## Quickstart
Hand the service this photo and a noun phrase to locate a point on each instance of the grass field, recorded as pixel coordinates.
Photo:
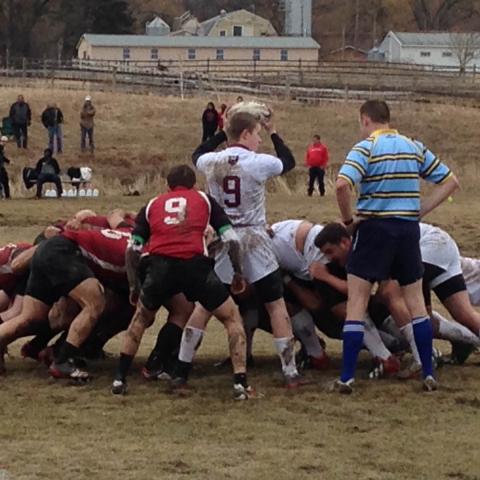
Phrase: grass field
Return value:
(386, 430)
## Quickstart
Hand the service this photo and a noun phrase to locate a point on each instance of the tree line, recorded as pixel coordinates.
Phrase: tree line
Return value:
(50, 28)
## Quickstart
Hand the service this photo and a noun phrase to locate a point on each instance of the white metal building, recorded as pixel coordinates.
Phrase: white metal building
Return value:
(439, 49)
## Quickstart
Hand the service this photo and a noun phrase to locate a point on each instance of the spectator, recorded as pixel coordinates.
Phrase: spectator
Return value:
(209, 122)
(3, 172)
(52, 119)
(21, 117)
(221, 116)
(239, 99)
(316, 161)
(86, 124)
(48, 171)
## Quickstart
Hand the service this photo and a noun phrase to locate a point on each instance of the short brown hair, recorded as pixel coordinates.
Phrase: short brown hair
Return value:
(376, 110)
(240, 122)
(181, 175)
(332, 233)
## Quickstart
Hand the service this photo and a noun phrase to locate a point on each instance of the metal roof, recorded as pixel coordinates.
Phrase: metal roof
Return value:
(133, 41)
(432, 39)
(158, 22)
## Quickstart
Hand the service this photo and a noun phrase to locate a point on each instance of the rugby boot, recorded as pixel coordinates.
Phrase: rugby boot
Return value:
(460, 352)
(68, 370)
(155, 374)
(430, 384)
(384, 367)
(119, 387)
(245, 393)
(28, 350)
(179, 385)
(295, 381)
(345, 388)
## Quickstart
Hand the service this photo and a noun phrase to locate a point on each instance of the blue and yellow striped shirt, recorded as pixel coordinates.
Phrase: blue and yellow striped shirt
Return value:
(388, 166)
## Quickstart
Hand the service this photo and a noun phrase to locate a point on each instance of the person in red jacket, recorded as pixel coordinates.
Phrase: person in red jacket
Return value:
(317, 161)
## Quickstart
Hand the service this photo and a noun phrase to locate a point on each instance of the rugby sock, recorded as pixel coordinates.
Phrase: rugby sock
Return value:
(455, 332)
(240, 378)
(407, 332)
(124, 365)
(286, 351)
(191, 339)
(373, 341)
(422, 330)
(352, 344)
(67, 350)
(304, 330)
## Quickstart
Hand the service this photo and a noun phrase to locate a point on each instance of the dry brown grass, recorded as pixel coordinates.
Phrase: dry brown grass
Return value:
(387, 430)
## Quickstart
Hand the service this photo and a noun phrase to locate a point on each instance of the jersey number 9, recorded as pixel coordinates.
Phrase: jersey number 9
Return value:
(177, 206)
(231, 188)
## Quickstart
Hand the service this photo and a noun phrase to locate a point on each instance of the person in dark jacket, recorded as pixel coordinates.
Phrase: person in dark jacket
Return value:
(21, 117)
(48, 171)
(52, 119)
(3, 172)
(209, 122)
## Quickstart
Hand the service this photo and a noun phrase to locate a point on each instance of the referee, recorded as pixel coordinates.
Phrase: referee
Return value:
(387, 167)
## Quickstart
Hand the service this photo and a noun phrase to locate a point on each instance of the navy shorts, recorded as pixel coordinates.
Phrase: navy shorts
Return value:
(386, 248)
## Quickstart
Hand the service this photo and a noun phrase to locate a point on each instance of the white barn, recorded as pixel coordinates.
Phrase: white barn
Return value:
(439, 49)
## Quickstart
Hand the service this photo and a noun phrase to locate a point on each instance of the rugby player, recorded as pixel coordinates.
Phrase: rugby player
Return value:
(236, 178)
(171, 233)
(388, 167)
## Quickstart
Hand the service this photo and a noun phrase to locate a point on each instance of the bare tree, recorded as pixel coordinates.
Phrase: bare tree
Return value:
(441, 14)
(466, 47)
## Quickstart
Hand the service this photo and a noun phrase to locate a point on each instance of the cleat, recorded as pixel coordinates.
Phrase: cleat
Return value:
(29, 351)
(180, 386)
(245, 393)
(460, 352)
(345, 388)
(68, 370)
(151, 375)
(119, 387)
(430, 384)
(296, 380)
(384, 368)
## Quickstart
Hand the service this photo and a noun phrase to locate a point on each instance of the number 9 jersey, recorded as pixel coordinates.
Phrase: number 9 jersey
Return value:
(174, 224)
(236, 179)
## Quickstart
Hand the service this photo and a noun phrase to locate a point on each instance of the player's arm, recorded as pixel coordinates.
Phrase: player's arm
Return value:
(352, 172)
(320, 272)
(284, 154)
(209, 145)
(21, 262)
(434, 171)
(139, 238)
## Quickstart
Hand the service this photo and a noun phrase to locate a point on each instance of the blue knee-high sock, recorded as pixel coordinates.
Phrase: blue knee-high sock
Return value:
(352, 344)
(422, 331)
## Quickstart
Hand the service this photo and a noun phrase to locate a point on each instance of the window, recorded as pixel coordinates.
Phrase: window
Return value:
(219, 53)
(126, 53)
(256, 54)
(237, 30)
(223, 33)
(424, 54)
(446, 54)
(154, 54)
(192, 54)
(283, 55)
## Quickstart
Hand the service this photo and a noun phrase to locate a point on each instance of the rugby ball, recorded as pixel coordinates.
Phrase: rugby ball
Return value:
(259, 110)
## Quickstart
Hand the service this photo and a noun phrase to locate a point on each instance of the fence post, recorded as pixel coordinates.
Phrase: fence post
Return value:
(254, 67)
(7, 61)
(182, 96)
(208, 65)
(114, 78)
(346, 93)
(24, 67)
(45, 61)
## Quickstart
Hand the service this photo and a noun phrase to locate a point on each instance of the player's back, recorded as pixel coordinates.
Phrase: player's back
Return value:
(178, 221)
(236, 179)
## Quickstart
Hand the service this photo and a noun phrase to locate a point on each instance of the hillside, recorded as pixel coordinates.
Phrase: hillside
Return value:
(48, 27)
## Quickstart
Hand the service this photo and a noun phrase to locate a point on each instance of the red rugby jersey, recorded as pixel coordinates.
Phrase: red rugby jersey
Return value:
(104, 250)
(177, 221)
(7, 277)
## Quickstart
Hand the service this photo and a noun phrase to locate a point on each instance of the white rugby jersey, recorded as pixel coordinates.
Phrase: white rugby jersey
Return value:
(236, 178)
(471, 273)
(289, 258)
